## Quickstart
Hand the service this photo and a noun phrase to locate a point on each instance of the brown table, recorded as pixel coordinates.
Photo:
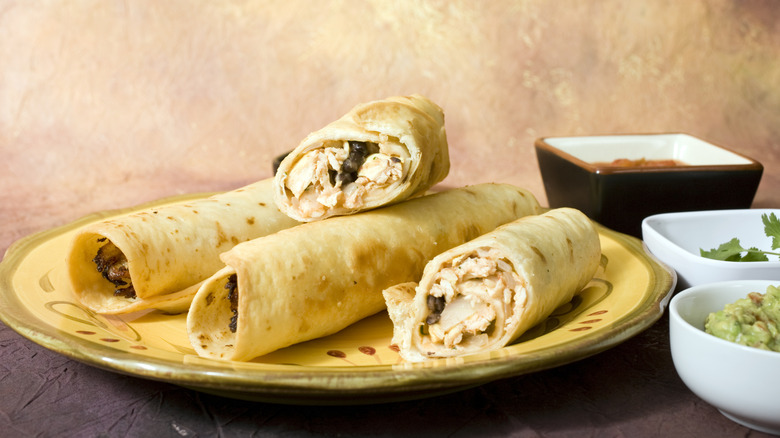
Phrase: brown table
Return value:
(106, 106)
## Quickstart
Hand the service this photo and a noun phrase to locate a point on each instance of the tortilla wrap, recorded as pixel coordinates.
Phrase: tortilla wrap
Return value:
(379, 153)
(486, 293)
(318, 278)
(168, 250)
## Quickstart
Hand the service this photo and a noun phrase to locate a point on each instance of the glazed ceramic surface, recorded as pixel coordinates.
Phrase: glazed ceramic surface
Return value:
(688, 150)
(708, 177)
(356, 365)
(740, 381)
(677, 238)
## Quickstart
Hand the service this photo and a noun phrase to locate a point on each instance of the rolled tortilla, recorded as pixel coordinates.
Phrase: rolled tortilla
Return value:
(320, 277)
(377, 154)
(486, 293)
(155, 258)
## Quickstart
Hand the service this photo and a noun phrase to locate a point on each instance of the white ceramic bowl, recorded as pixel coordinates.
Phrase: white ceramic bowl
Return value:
(676, 239)
(741, 382)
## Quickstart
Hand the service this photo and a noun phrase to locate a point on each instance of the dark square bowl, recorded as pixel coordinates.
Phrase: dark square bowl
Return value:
(581, 172)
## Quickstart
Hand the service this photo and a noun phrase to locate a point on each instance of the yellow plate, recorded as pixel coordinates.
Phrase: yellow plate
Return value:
(357, 365)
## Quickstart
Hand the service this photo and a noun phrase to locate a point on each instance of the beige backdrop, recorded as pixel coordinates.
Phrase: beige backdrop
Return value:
(106, 104)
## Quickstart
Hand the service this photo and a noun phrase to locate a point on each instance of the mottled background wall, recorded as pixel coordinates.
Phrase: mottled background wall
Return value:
(105, 104)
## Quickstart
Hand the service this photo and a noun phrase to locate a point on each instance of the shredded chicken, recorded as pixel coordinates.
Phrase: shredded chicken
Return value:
(464, 297)
(341, 176)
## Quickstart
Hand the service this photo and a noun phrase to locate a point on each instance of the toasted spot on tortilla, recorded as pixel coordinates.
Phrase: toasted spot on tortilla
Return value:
(539, 253)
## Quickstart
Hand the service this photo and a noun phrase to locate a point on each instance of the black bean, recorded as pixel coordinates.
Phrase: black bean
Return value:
(127, 292)
(111, 263)
(117, 273)
(436, 306)
(346, 178)
(107, 256)
(233, 326)
(358, 151)
(232, 286)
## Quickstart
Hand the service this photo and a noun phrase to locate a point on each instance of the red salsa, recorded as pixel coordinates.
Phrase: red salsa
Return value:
(642, 162)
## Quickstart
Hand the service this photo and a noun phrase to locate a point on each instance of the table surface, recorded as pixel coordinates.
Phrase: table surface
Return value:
(109, 105)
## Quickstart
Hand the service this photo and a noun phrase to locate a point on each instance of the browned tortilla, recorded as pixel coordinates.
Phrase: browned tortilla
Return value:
(407, 153)
(170, 249)
(320, 277)
(485, 293)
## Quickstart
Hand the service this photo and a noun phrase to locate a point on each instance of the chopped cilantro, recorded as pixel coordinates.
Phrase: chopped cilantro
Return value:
(732, 251)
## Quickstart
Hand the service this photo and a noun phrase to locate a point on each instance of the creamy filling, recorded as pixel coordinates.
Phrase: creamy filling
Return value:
(342, 175)
(112, 264)
(468, 299)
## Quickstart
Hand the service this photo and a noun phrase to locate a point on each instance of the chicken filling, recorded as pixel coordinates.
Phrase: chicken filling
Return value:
(232, 296)
(468, 299)
(112, 264)
(341, 175)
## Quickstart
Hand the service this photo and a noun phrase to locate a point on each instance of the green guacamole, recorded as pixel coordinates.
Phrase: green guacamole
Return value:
(752, 321)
